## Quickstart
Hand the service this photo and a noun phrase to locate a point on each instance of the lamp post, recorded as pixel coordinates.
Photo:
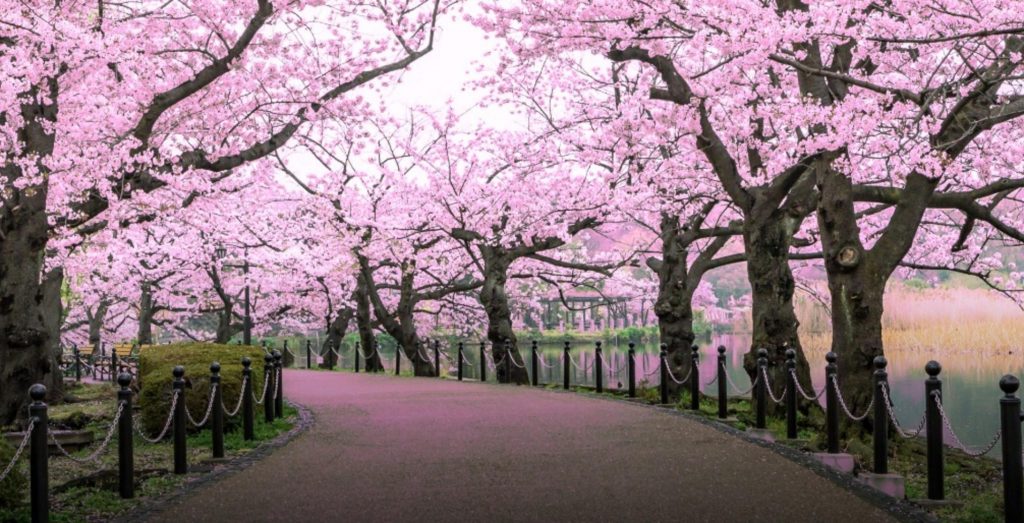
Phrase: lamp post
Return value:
(247, 321)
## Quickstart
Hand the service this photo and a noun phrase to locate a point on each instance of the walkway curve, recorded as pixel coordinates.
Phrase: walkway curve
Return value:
(417, 449)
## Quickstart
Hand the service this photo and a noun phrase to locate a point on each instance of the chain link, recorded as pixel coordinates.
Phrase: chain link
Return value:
(209, 409)
(736, 389)
(673, 376)
(768, 387)
(167, 424)
(896, 422)
(581, 369)
(91, 458)
(21, 448)
(266, 385)
(846, 409)
(800, 389)
(508, 354)
(956, 439)
(241, 396)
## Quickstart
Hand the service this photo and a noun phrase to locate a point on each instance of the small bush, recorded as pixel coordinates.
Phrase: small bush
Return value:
(157, 362)
(13, 487)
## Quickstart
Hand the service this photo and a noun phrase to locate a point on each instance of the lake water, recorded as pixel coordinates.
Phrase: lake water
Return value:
(970, 379)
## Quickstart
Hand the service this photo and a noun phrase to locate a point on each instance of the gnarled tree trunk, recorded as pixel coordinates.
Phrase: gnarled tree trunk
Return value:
(336, 330)
(674, 306)
(499, 319)
(364, 325)
(146, 313)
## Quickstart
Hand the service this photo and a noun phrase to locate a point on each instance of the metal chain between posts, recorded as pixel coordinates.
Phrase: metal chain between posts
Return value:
(464, 360)
(800, 389)
(17, 453)
(91, 458)
(768, 387)
(209, 409)
(508, 354)
(896, 422)
(167, 424)
(956, 439)
(574, 364)
(543, 363)
(266, 385)
(241, 396)
(846, 409)
(738, 390)
(673, 376)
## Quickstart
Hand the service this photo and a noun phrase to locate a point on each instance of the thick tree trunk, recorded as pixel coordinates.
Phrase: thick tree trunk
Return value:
(857, 277)
(224, 323)
(767, 238)
(96, 320)
(146, 312)
(53, 318)
(499, 320)
(674, 306)
(336, 331)
(365, 327)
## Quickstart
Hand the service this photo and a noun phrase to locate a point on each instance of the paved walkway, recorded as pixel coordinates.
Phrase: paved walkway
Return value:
(402, 449)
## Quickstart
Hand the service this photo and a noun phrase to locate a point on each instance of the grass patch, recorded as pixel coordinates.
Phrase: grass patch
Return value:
(98, 499)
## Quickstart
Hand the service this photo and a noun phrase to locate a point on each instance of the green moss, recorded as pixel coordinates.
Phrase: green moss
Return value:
(157, 362)
(15, 484)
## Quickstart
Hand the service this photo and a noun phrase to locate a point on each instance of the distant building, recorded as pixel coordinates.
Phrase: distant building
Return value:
(588, 311)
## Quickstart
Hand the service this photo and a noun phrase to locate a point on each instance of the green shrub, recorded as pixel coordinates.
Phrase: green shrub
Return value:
(14, 486)
(157, 362)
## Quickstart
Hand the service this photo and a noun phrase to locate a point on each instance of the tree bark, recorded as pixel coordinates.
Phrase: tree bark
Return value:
(27, 333)
(857, 277)
(364, 324)
(674, 305)
(401, 324)
(768, 232)
(499, 317)
(146, 313)
(336, 331)
(96, 320)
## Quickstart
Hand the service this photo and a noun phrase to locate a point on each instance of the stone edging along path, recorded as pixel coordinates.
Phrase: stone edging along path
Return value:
(166, 502)
(899, 508)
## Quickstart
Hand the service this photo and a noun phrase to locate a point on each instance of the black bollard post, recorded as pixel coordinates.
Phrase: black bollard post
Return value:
(437, 358)
(125, 450)
(357, 352)
(279, 383)
(565, 367)
(39, 455)
(309, 355)
(218, 411)
(508, 361)
(460, 361)
(723, 390)
(933, 431)
(78, 363)
(1013, 475)
(269, 387)
(483, 361)
(632, 369)
(598, 368)
(880, 421)
(694, 378)
(790, 393)
(398, 360)
(180, 458)
(831, 404)
(533, 363)
(248, 408)
(663, 367)
(761, 391)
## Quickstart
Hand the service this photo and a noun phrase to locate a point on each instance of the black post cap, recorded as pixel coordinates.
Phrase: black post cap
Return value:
(215, 367)
(124, 380)
(37, 392)
(721, 349)
(831, 357)
(880, 362)
(246, 362)
(762, 352)
(1008, 383)
(933, 368)
(178, 372)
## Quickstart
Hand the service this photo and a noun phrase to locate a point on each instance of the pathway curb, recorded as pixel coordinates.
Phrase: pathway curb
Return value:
(166, 502)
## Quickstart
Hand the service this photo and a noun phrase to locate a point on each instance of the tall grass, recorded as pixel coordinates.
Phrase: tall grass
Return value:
(946, 320)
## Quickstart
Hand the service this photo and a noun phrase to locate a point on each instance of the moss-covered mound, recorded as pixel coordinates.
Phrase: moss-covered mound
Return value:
(157, 362)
